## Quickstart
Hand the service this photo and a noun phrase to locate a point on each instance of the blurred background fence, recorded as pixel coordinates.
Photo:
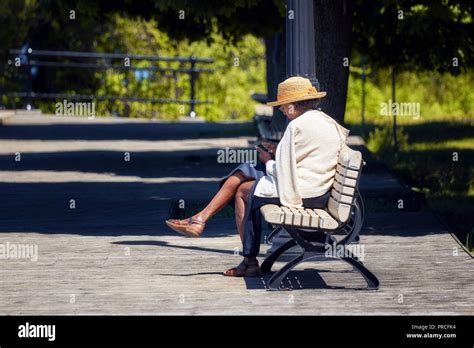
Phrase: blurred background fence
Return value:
(37, 70)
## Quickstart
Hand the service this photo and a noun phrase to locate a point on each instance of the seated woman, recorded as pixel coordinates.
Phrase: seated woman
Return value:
(301, 175)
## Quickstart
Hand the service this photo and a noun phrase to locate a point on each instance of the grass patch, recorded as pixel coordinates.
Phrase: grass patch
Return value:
(456, 212)
(434, 158)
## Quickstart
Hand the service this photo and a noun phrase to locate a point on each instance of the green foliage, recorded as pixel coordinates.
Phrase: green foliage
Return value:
(440, 96)
(415, 35)
(13, 12)
(470, 241)
(456, 212)
(438, 162)
(430, 143)
(442, 32)
(233, 20)
(381, 140)
(434, 171)
(136, 36)
(239, 72)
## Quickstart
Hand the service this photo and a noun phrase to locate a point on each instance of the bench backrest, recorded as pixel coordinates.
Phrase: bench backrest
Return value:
(345, 184)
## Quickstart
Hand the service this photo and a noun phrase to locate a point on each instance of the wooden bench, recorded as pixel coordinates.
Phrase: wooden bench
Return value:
(314, 230)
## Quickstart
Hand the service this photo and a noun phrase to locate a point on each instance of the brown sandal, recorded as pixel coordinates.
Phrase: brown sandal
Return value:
(244, 269)
(189, 229)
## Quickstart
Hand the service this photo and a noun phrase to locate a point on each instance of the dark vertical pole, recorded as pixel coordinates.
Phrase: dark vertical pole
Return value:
(192, 76)
(395, 138)
(29, 100)
(276, 72)
(175, 85)
(300, 50)
(300, 61)
(363, 95)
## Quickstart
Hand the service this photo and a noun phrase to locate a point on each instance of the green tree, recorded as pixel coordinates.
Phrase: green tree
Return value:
(431, 35)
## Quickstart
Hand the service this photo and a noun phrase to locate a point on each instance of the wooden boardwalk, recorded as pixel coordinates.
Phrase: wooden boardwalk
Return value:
(174, 275)
(113, 254)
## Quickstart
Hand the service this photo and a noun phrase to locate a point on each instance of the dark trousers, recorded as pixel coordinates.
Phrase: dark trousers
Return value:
(253, 219)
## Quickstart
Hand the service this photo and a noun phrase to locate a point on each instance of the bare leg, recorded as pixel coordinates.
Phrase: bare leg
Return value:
(241, 199)
(224, 195)
(221, 198)
(249, 266)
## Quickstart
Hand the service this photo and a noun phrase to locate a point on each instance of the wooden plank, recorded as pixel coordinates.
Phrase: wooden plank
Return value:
(101, 260)
(346, 190)
(337, 196)
(314, 218)
(338, 210)
(344, 180)
(353, 174)
(166, 275)
(350, 158)
(305, 217)
(272, 213)
(326, 221)
(288, 215)
(297, 218)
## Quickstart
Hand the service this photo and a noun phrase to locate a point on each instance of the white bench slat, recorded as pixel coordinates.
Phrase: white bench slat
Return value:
(288, 215)
(339, 204)
(314, 218)
(340, 198)
(326, 221)
(345, 190)
(305, 217)
(345, 181)
(292, 216)
(350, 158)
(272, 214)
(297, 218)
(340, 211)
(346, 172)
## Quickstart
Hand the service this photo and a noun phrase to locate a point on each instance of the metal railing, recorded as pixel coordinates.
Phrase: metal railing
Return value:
(28, 58)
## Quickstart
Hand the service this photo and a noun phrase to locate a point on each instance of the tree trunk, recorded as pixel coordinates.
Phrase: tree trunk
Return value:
(276, 73)
(333, 29)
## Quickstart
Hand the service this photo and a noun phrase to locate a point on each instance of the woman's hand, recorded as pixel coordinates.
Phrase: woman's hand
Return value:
(263, 155)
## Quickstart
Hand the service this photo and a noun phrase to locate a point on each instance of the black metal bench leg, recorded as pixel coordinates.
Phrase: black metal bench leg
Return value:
(266, 266)
(274, 233)
(372, 281)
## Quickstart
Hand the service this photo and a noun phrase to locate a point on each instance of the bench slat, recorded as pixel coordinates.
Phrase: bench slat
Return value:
(340, 198)
(345, 181)
(345, 190)
(272, 214)
(339, 203)
(314, 222)
(305, 217)
(350, 158)
(326, 221)
(297, 218)
(346, 172)
(288, 215)
(339, 211)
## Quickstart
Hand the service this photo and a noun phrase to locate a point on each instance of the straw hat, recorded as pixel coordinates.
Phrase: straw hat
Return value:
(295, 89)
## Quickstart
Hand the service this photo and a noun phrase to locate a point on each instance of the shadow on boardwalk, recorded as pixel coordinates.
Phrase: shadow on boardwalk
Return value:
(106, 129)
(115, 254)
